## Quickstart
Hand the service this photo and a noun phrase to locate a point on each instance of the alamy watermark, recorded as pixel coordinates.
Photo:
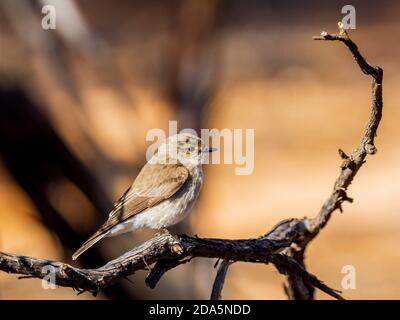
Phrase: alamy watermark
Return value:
(49, 280)
(349, 20)
(49, 19)
(237, 145)
(349, 278)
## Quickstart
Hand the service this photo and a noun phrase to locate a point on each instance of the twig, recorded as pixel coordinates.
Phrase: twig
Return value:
(220, 279)
(160, 268)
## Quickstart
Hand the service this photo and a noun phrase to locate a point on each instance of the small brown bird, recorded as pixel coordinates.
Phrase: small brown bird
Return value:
(162, 194)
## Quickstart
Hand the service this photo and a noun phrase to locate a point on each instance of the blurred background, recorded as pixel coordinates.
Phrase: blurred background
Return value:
(76, 104)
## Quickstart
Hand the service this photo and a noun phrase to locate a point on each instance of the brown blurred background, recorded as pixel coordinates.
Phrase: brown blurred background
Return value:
(76, 104)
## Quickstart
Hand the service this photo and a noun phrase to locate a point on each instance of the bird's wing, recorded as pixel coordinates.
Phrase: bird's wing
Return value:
(155, 183)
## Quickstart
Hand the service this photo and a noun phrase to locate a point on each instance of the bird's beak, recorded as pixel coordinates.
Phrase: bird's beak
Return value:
(211, 149)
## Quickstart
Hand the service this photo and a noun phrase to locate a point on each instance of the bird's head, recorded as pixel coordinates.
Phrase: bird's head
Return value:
(186, 148)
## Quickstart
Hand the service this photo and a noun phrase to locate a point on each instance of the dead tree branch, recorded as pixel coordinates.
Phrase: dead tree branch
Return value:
(220, 279)
(296, 288)
(283, 246)
(160, 250)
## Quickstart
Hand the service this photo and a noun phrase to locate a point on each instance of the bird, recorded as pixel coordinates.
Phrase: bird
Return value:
(163, 192)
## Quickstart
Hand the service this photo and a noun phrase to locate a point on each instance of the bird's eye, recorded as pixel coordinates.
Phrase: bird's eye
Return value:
(190, 149)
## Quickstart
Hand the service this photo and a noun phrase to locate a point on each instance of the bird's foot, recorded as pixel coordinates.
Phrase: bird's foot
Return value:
(176, 247)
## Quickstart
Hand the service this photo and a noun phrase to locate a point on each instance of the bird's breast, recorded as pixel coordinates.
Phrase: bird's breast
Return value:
(183, 200)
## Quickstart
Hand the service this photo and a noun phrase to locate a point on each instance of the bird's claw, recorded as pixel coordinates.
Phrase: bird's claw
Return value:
(176, 248)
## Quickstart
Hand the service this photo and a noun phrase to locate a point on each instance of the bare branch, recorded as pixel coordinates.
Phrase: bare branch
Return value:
(350, 166)
(220, 279)
(159, 250)
(356, 159)
(160, 268)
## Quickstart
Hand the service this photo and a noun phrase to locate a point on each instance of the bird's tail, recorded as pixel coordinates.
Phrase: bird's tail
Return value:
(88, 243)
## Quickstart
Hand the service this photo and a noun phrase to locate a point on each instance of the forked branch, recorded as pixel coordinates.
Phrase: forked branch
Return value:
(162, 251)
(296, 288)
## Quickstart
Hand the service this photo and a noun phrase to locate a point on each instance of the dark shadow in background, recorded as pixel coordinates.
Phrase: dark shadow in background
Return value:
(37, 157)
